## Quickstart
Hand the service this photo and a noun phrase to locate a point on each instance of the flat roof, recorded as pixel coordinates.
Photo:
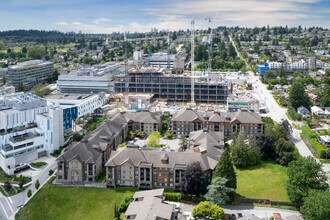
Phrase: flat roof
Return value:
(68, 96)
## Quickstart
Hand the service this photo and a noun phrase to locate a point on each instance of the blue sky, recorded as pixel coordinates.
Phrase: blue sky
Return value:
(106, 16)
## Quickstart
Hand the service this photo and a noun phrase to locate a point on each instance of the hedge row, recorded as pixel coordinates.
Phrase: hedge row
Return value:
(310, 136)
(172, 197)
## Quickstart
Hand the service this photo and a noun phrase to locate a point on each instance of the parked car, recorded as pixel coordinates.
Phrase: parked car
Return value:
(239, 215)
(233, 217)
(21, 166)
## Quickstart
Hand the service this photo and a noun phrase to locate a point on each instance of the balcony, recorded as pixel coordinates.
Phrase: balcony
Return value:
(16, 129)
(24, 137)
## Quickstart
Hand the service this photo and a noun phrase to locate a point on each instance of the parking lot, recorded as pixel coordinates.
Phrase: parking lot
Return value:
(170, 145)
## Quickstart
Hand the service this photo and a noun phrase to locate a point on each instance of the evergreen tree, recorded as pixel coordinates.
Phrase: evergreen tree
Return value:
(225, 169)
(218, 192)
(325, 98)
(298, 96)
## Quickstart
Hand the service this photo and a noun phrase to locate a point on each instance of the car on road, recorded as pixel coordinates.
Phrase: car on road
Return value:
(239, 215)
(233, 217)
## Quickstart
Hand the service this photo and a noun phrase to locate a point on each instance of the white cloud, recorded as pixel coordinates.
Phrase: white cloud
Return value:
(101, 20)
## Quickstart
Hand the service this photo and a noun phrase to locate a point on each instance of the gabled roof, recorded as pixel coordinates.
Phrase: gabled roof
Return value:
(149, 205)
(82, 152)
(245, 117)
(187, 115)
(209, 142)
(138, 156)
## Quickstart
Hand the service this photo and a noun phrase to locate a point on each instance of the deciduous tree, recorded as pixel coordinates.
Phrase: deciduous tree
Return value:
(304, 174)
(207, 210)
(153, 139)
(316, 205)
(194, 181)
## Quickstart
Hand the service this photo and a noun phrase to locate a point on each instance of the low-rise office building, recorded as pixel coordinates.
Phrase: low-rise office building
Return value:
(172, 87)
(29, 129)
(88, 80)
(27, 74)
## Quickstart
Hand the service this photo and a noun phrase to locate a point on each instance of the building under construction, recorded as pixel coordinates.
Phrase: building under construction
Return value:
(171, 87)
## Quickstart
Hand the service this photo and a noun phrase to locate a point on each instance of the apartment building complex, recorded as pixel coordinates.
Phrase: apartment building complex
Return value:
(88, 80)
(29, 73)
(188, 120)
(173, 88)
(83, 161)
(145, 168)
(29, 129)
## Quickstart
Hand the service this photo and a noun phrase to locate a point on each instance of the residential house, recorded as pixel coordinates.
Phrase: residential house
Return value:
(318, 112)
(81, 163)
(151, 168)
(188, 120)
(304, 112)
(325, 140)
(149, 205)
(327, 111)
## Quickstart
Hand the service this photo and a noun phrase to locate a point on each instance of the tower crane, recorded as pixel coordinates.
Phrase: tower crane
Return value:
(126, 70)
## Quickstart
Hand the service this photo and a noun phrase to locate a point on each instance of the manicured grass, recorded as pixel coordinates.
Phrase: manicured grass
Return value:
(74, 203)
(266, 181)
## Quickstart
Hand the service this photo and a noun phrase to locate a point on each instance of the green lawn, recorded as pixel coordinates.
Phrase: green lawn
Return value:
(266, 181)
(74, 203)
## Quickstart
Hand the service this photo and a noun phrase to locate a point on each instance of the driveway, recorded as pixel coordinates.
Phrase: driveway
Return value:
(262, 212)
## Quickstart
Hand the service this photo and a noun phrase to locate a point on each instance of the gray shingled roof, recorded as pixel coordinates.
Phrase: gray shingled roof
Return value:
(212, 142)
(151, 207)
(245, 117)
(138, 156)
(83, 152)
(189, 115)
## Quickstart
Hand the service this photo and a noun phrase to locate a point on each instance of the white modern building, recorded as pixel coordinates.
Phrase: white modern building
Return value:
(289, 67)
(164, 60)
(88, 80)
(29, 129)
(76, 105)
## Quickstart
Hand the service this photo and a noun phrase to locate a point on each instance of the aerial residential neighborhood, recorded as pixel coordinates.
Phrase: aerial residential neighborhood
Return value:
(165, 110)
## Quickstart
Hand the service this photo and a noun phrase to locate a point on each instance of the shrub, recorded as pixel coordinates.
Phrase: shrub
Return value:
(124, 204)
(37, 184)
(50, 172)
(310, 136)
(29, 193)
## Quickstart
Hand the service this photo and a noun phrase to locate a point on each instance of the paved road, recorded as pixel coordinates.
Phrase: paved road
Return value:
(262, 212)
(277, 113)
(9, 205)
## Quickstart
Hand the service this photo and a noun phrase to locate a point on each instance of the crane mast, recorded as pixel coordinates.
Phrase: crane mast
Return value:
(192, 63)
(126, 70)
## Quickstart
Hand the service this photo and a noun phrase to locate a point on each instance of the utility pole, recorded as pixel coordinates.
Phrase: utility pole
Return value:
(192, 63)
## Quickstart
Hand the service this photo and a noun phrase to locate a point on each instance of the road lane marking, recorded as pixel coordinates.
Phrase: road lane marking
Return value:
(9, 205)
(4, 210)
(10, 200)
